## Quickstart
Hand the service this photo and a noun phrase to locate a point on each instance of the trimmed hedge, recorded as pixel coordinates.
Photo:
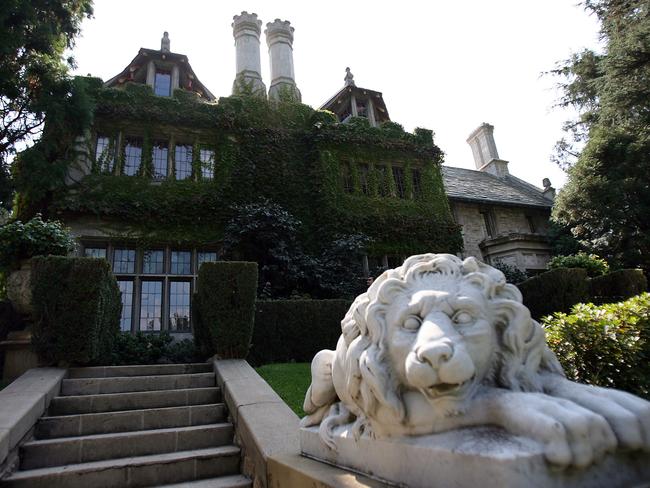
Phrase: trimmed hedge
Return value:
(77, 308)
(295, 330)
(618, 285)
(556, 290)
(605, 345)
(225, 302)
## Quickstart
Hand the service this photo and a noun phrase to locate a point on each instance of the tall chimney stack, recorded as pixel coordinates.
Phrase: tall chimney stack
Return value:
(279, 38)
(485, 153)
(246, 29)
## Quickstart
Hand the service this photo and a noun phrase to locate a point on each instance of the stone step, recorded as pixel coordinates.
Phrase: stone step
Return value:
(133, 472)
(128, 421)
(237, 481)
(75, 450)
(139, 370)
(112, 402)
(123, 384)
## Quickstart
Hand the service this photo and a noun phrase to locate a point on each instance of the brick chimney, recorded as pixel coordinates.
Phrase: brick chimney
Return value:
(485, 153)
(246, 29)
(279, 38)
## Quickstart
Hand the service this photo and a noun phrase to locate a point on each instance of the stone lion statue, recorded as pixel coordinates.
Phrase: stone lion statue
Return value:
(441, 343)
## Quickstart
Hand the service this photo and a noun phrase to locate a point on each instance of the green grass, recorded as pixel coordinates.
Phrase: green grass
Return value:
(290, 381)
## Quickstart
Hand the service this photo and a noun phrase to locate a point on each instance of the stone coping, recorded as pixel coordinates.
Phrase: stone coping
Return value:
(23, 402)
(264, 424)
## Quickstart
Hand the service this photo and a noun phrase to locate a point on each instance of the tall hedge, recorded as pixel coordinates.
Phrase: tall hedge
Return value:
(606, 345)
(77, 306)
(556, 290)
(618, 285)
(295, 330)
(225, 302)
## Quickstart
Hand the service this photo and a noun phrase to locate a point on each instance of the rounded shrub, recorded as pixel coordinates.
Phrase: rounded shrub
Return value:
(606, 345)
(36, 237)
(592, 263)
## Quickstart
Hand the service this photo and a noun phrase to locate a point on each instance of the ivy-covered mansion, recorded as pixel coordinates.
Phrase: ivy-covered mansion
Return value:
(148, 167)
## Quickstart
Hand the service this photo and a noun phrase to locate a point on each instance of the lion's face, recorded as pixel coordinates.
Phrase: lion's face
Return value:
(440, 338)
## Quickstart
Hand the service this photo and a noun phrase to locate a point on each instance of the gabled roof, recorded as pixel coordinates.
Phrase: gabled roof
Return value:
(481, 187)
(348, 90)
(136, 71)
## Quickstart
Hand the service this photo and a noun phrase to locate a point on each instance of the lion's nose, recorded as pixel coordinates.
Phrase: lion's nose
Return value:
(435, 353)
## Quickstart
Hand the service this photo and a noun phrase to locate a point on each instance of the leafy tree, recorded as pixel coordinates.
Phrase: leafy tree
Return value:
(34, 35)
(606, 201)
(268, 234)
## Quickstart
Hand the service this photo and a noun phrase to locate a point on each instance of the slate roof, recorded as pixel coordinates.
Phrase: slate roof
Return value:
(481, 187)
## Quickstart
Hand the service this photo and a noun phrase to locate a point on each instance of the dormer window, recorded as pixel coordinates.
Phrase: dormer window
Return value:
(162, 84)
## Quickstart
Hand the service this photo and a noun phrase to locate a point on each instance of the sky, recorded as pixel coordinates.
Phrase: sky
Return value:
(445, 65)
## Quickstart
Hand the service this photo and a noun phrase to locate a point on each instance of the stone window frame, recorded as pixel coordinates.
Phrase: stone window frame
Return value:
(162, 72)
(138, 276)
(489, 222)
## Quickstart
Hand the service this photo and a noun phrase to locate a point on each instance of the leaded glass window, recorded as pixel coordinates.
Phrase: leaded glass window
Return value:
(150, 305)
(95, 252)
(162, 85)
(126, 289)
(207, 163)
(363, 178)
(181, 263)
(159, 153)
(153, 262)
(417, 182)
(183, 159)
(124, 261)
(132, 156)
(382, 173)
(398, 177)
(104, 156)
(205, 257)
(179, 306)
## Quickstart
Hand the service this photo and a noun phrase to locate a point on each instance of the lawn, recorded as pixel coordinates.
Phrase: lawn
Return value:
(290, 381)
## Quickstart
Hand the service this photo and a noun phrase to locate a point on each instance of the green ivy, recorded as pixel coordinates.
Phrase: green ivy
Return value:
(284, 152)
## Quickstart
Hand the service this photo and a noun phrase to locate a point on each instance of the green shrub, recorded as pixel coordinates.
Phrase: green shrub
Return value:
(606, 345)
(513, 274)
(20, 241)
(556, 290)
(77, 308)
(295, 330)
(226, 308)
(618, 285)
(594, 265)
(141, 348)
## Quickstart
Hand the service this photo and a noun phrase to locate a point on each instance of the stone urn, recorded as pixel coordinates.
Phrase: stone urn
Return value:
(19, 288)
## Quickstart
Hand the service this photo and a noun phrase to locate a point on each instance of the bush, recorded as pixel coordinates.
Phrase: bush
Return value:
(77, 308)
(143, 348)
(226, 308)
(605, 345)
(20, 241)
(618, 285)
(556, 290)
(594, 265)
(295, 330)
(512, 273)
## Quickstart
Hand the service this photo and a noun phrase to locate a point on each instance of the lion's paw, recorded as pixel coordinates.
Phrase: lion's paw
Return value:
(571, 434)
(627, 415)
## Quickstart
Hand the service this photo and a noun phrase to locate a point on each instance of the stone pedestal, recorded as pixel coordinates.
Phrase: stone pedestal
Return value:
(469, 457)
(19, 355)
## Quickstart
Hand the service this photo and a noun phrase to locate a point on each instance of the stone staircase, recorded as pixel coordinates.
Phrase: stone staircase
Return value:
(133, 426)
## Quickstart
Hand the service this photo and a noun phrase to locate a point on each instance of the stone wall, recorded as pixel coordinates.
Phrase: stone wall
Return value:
(507, 221)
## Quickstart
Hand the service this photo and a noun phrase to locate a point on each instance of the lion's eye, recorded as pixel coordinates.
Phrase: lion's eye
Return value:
(462, 318)
(412, 323)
